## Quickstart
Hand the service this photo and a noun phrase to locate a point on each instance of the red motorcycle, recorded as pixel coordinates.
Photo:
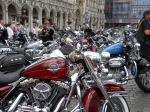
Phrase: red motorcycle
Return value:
(48, 86)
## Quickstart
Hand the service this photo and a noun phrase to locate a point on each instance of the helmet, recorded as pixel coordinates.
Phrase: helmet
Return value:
(68, 40)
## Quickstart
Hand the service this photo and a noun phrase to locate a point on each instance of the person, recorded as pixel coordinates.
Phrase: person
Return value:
(55, 26)
(47, 32)
(143, 35)
(62, 32)
(10, 31)
(3, 33)
(37, 22)
(13, 27)
(39, 29)
(21, 28)
(34, 32)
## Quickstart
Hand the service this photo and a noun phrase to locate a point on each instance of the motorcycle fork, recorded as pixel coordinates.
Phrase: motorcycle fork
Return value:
(99, 83)
(107, 98)
(74, 85)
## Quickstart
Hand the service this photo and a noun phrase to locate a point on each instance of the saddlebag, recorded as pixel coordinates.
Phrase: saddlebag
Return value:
(11, 62)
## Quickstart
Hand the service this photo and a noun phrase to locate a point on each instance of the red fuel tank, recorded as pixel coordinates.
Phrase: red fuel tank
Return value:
(50, 68)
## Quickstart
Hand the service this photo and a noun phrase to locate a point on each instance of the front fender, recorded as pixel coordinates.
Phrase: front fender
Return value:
(92, 97)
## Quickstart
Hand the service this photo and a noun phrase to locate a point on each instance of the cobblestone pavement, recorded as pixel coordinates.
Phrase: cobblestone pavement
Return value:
(138, 101)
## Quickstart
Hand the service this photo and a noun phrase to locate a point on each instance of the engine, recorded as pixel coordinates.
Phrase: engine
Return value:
(116, 62)
(47, 96)
(114, 69)
(42, 91)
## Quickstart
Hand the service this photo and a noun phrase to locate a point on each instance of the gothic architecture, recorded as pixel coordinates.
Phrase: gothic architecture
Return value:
(63, 12)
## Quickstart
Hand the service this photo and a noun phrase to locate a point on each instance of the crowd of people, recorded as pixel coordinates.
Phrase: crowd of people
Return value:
(11, 30)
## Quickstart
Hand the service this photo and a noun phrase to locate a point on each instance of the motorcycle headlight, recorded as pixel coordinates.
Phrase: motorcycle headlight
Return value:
(105, 57)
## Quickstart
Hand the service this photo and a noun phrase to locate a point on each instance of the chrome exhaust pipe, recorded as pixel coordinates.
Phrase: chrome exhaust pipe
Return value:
(126, 78)
(16, 102)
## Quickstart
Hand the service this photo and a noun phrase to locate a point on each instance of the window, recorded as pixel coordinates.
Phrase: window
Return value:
(125, 7)
(139, 12)
(119, 16)
(114, 16)
(120, 7)
(115, 8)
(134, 11)
(125, 16)
(134, 1)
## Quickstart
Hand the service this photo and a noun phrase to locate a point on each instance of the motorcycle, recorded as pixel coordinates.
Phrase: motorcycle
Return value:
(125, 56)
(48, 85)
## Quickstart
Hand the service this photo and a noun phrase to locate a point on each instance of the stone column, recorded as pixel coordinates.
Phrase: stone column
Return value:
(6, 15)
(61, 21)
(40, 17)
(98, 23)
(31, 21)
(55, 17)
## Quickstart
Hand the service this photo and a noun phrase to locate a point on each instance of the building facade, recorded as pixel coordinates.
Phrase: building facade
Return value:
(137, 9)
(96, 13)
(63, 12)
(122, 12)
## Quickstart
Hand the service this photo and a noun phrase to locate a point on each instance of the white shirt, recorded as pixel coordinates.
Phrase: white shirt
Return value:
(34, 31)
(10, 32)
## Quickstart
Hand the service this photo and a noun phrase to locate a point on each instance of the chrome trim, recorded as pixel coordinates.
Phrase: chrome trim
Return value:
(105, 103)
(14, 86)
(79, 96)
(74, 78)
(135, 68)
(76, 107)
(53, 69)
(98, 82)
(126, 78)
(16, 102)
(59, 105)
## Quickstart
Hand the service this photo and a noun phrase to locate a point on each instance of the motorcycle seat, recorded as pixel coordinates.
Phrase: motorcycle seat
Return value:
(7, 78)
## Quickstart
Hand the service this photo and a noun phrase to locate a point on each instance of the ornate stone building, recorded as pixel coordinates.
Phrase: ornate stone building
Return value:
(60, 11)
(96, 13)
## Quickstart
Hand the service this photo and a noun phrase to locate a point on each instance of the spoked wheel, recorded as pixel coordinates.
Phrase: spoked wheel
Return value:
(143, 81)
(119, 103)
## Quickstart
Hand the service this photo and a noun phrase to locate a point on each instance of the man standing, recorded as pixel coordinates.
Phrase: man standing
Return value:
(55, 27)
(13, 27)
(3, 32)
(10, 31)
(143, 35)
(47, 32)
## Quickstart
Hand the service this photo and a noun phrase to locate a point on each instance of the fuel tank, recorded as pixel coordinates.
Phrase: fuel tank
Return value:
(114, 49)
(35, 45)
(50, 68)
(4, 90)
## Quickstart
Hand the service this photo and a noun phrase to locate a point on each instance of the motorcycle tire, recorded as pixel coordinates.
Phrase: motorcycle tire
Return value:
(120, 103)
(143, 82)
